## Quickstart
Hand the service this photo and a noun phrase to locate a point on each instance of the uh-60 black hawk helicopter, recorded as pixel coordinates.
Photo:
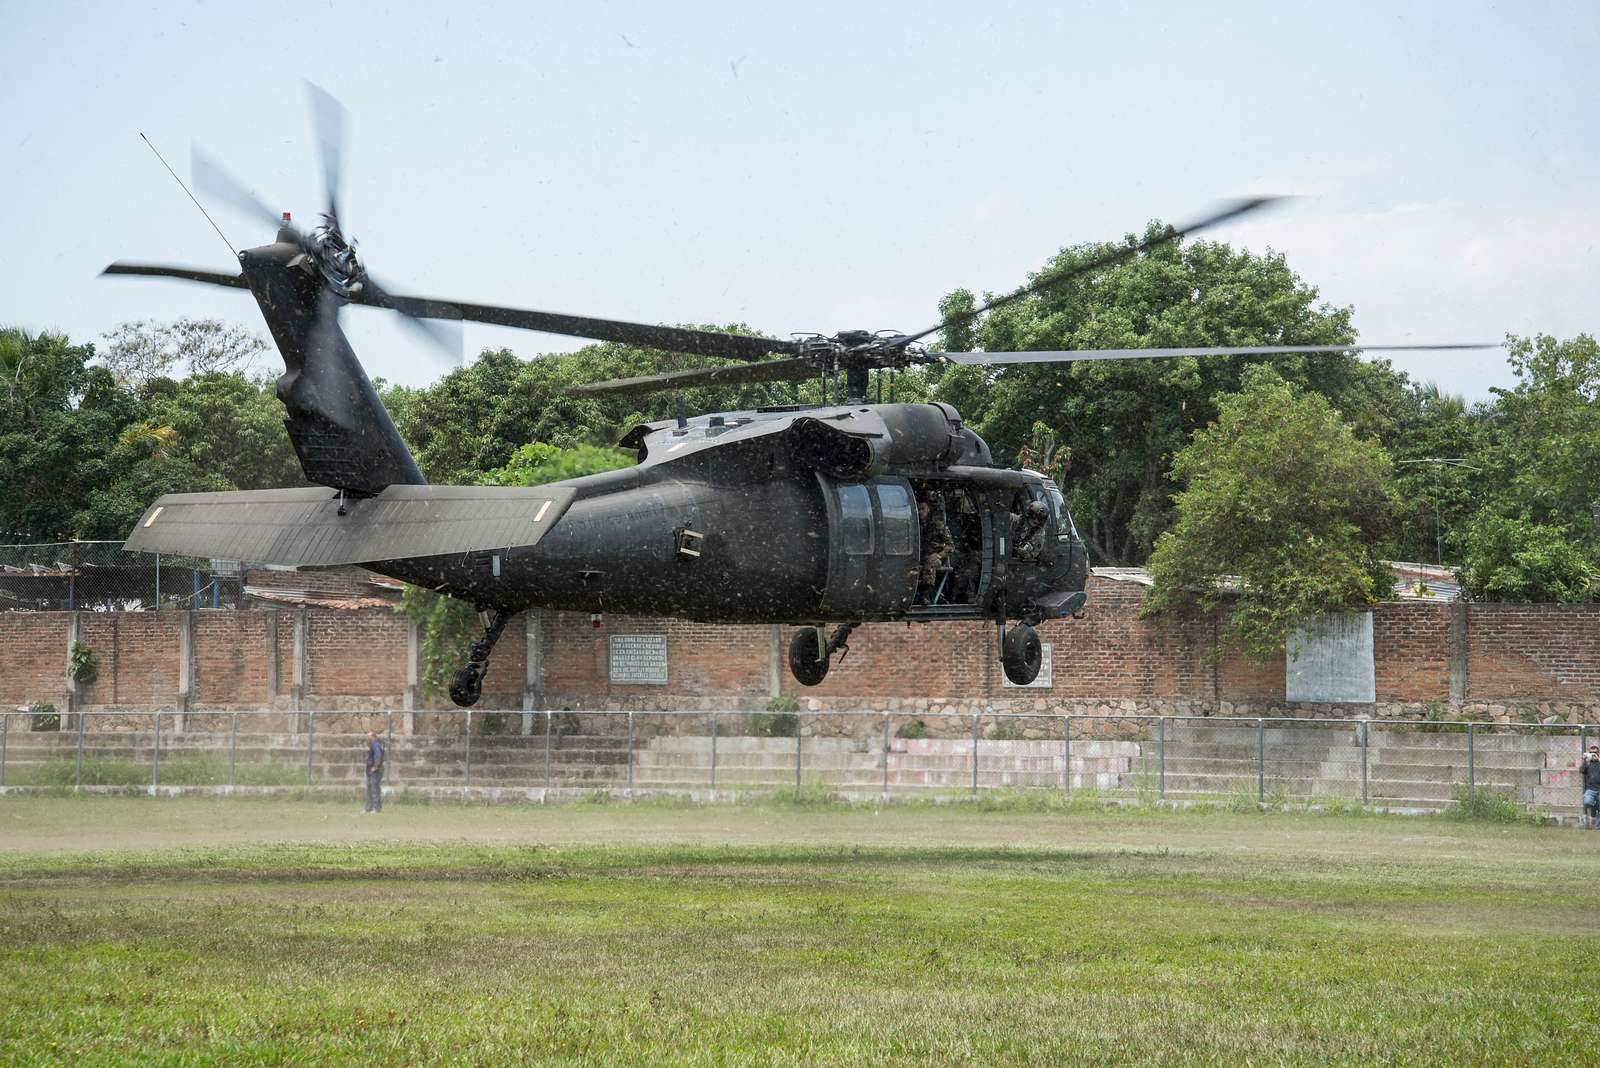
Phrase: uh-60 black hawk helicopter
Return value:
(799, 515)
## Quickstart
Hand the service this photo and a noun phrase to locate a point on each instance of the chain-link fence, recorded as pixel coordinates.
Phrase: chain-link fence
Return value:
(98, 576)
(1396, 766)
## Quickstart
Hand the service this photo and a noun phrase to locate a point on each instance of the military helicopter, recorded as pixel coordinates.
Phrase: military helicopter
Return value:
(808, 515)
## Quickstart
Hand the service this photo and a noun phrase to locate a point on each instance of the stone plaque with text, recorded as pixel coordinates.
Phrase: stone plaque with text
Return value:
(639, 659)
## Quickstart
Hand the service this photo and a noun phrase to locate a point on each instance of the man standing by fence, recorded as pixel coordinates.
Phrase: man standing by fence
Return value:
(374, 773)
(1591, 786)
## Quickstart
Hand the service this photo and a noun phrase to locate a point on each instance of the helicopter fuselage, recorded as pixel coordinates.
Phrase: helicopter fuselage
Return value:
(787, 516)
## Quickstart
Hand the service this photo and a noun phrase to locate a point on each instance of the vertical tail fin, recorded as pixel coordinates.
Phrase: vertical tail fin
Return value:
(338, 426)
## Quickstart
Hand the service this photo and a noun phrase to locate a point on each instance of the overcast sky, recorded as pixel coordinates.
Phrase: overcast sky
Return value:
(811, 167)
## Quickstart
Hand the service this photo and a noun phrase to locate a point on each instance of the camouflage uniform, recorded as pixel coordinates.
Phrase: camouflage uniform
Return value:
(1027, 535)
(937, 545)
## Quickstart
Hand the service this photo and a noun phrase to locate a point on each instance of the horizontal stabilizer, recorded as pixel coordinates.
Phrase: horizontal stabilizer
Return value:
(304, 527)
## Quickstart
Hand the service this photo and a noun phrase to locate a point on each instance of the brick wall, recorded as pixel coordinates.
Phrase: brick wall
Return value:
(1534, 651)
(1542, 656)
(33, 658)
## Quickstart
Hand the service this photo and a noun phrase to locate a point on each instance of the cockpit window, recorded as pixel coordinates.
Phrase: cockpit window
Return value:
(898, 518)
(855, 514)
(1058, 505)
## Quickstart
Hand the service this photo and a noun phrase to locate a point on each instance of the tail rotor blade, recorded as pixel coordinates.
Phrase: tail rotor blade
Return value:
(444, 335)
(329, 116)
(212, 181)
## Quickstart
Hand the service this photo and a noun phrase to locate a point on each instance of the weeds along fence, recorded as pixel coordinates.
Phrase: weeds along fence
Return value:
(99, 576)
(515, 756)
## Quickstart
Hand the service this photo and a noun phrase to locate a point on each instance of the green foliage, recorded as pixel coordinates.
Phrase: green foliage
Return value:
(1487, 806)
(82, 454)
(912, 729)
(806, 795)
(780, 720)
(1005, 731)
(1545, 449)
(140, 351)
(44, 716)
(536, 463)
(476, 418)
(81, 665)
(1124, 420)
(1518, 560)
(445, 627)
(1279, 518)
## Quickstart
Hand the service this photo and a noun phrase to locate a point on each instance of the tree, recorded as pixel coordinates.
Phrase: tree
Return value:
(1282, 509)
(139, 351)
(1544, 449)
(1124, 419)
(1518, 560)
(1440, 472)
(228, 425)
(475, 418)
(77, 458)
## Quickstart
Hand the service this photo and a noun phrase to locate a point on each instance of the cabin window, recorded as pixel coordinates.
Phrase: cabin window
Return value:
(898, 519)
(855, 516)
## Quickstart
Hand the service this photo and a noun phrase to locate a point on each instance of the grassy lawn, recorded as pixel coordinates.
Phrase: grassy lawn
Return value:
(235, 931)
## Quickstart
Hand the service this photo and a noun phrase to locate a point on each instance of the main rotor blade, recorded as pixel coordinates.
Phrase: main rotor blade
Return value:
(444, 335)
(329, 116)
(790, 370)
(1233, 210)
(214, 182)
(672, 338)
(191, 274)
(1067, 355)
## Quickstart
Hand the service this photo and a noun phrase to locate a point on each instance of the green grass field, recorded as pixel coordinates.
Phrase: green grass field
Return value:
(178, 931)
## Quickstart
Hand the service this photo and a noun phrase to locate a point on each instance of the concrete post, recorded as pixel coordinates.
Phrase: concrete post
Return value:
(272, 656)
(185, 665)
(413, 665)
(532, 667)
(1458, 652)
(71, 683)
(297, 678)
(775, 660)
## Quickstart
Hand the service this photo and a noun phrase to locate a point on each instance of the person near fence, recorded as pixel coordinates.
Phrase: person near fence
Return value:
(374, 773)
(1591, 786)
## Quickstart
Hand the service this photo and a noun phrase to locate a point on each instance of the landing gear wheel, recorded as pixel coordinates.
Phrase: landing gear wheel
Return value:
(466, 685)
(466, 682)
(806, 661)
(1021, 655)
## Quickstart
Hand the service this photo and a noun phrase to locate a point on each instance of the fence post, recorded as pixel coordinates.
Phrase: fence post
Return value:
(713, 755)
(549, 718)
(467, 781)
(886, 744)
(77, 774)
(630, 754)
(233, 750)
(388, 745)
(155, 758)
(975, 755)
(1161, 759)
(1472, 777)
(5, 731)
(1261, 761)
(797, 752)
(311, 742)
(1066, 755)
(158, 580)
(1366, 744)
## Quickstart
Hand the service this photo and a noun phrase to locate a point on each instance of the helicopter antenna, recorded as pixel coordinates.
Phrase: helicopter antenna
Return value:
(232, 251)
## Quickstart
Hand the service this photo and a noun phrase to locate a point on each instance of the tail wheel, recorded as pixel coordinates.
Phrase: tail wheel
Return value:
(1022, 654)
(808, 659)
